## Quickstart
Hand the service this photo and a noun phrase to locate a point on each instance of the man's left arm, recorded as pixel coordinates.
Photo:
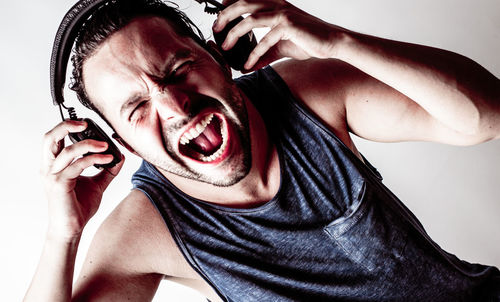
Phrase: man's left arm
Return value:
(391, 91)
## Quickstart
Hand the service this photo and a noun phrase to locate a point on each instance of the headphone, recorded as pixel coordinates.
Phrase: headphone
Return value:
(65, 38)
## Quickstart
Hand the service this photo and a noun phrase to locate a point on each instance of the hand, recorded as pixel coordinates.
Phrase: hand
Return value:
(294, 33)
(73, 198)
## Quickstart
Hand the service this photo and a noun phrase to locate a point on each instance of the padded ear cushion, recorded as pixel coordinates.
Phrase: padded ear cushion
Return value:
(238, 55)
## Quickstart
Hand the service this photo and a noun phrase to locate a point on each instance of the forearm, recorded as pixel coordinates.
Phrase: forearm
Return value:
(455, 90)
(458, 93)
(54, 275)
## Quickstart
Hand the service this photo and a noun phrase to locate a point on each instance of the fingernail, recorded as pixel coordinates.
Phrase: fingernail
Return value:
(215, 26)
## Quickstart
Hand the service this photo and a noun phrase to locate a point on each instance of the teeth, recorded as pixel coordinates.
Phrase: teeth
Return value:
(217, 153)
(196, 130)
(193, 132)
(199, 128)
(184, 141)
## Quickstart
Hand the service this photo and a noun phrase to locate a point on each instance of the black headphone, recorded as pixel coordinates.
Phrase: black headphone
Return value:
(63, 44)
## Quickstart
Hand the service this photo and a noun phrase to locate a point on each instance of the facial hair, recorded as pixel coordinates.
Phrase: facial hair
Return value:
(234, 110)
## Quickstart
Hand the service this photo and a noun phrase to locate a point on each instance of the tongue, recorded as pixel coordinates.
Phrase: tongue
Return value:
(209, 140)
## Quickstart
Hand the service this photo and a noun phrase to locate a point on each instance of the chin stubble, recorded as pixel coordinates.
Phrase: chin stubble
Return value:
(237, 117)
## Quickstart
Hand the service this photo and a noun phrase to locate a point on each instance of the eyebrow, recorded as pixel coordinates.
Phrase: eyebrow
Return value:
(131, 101)
(136, 97)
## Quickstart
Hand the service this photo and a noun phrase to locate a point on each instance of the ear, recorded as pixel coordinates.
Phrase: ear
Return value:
(216, 53)
(122, 142)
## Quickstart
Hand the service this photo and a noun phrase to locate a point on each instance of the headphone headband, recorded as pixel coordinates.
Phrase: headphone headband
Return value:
(63, 43)
(80, 12)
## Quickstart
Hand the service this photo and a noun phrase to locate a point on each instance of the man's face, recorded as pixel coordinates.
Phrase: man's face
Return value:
(173, 104)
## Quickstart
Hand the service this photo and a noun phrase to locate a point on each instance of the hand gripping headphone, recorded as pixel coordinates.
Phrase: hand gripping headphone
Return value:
(63, 44)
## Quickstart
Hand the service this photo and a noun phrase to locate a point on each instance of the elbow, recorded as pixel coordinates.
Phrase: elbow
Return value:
(480, 121)
(485, 127)
(489, 117)
(479, 105)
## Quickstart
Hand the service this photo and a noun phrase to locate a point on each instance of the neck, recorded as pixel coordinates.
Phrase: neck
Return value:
(257, 187)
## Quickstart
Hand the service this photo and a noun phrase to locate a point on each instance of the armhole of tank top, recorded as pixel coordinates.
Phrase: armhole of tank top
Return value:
(281, 88)
(179, 242)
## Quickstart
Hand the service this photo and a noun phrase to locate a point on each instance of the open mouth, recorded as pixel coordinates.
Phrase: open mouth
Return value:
(206, 141)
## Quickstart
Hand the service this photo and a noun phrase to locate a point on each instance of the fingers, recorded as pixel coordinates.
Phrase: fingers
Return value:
(277, 15)
(107, 175)
(70, 153)
(228, 2)
(246, 25)
(270, 56)
(238, 9)
(76, 168)
(53, 141)
(66, 161)
(293, 33)
(272, 38)
(282, 49)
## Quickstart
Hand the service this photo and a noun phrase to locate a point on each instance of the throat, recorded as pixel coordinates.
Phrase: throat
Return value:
(259, 187)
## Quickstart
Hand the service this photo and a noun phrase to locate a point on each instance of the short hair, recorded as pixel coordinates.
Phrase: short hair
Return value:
(113, 16)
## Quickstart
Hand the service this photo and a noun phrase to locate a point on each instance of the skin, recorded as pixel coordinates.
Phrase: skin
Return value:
(196, 82)
(377, 89)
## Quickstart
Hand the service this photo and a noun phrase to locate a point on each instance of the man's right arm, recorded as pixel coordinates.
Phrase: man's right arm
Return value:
(72, 200)
(126, 255)
(122, 261)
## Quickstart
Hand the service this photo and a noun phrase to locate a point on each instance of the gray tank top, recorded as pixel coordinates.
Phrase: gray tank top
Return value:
(333, 232)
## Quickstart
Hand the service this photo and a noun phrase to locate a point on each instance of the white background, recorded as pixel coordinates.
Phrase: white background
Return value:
(453, 190)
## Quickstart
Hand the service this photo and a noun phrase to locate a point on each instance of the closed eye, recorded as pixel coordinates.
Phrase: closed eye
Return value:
(180, 71)
(137, 109)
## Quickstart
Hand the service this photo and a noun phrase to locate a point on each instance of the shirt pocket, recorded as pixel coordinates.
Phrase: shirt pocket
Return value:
(370, 233)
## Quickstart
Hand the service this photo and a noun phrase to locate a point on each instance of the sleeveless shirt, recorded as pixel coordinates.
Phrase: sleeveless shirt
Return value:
(333, 231)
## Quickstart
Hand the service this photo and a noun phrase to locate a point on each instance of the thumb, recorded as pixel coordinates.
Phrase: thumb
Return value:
(105, 177)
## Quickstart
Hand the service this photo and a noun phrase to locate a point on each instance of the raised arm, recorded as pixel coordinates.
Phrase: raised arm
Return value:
(73, 199)
(435, 94)
(126, 255)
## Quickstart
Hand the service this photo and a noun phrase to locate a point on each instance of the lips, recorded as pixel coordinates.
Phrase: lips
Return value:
(206, 141)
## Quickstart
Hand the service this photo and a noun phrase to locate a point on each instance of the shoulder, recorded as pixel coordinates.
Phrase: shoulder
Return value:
(130, 254)
(134, 238)
(318, 77)
(323, 86)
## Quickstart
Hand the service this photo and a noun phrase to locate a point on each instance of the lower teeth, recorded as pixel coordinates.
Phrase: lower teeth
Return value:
(219, 151)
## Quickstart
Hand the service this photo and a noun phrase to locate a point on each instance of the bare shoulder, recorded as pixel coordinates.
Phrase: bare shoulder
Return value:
(139, 239)
(130, 254)
(324, 87)
(321, 85)
(323, 78)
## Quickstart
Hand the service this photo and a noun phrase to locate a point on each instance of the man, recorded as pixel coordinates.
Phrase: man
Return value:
(264, 194)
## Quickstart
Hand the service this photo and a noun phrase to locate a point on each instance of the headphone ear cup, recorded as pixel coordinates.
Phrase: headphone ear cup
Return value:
(238, 55)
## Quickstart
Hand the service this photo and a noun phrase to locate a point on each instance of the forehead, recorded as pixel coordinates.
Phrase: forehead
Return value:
(140, 49)
(144, 42)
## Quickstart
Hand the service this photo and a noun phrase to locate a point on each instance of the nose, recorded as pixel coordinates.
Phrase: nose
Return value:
(171, 102)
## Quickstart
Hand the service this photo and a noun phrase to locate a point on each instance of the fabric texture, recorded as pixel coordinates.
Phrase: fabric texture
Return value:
(333, 232)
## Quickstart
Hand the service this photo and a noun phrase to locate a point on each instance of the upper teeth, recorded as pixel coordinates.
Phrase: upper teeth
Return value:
(196, 130)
